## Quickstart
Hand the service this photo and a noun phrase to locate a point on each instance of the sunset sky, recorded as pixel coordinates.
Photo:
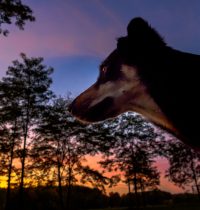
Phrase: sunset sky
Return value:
(74, 36)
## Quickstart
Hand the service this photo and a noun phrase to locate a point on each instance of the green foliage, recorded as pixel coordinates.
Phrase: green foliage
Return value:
(14, 11)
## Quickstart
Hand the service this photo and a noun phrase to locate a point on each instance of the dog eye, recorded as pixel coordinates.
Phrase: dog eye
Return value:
(104, 69)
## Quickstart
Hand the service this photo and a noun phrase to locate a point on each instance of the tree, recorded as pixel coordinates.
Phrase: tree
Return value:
(10, 131)
(132, 153)
(26, 89)
(9, 142)
(14, 11)
(97, 179)
(184, 165)
(140, 171)
(59, 149)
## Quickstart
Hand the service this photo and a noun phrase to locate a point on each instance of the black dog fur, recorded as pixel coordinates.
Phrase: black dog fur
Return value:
(171, 76)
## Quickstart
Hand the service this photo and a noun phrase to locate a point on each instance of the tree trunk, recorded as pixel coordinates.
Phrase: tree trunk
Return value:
(8, 181)
(60, 191)
(21, 187)
(142, 193)
(135, 190)
(129, 186)
(26, 125)
(129, 193)
(7, 202)
(195, 176)
(69, 186)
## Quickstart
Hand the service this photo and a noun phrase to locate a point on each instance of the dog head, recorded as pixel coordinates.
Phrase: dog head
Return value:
(119, 87)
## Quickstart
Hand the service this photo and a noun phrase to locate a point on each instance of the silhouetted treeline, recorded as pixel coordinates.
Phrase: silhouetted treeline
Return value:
(46, 198)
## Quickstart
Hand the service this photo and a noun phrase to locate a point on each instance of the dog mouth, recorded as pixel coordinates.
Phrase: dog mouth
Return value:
(100, 111)
(96, 113)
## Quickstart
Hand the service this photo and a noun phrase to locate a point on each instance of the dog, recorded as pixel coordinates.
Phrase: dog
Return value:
(145, 75)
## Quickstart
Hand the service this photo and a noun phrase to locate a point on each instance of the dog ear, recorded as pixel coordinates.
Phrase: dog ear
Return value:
(137, 27)
(141, 34)
(132, 45)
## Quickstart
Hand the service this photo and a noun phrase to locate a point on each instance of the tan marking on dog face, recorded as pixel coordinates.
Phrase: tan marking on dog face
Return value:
(117, 88)
(142, 102)
(130, 94)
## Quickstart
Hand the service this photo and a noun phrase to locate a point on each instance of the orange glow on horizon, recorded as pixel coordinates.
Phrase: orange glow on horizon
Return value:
(122, 188)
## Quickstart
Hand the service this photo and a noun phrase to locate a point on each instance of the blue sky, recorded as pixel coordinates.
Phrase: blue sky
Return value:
(74, 36)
